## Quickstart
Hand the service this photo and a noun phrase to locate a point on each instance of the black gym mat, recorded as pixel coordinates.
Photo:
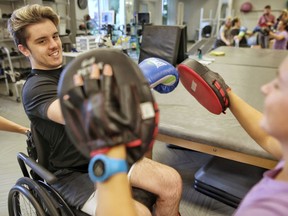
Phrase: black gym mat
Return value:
(227, 181)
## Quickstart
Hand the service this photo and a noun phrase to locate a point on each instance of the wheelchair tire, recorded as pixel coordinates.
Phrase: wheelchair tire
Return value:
(64, 208)
(21, 202)
(44, 199)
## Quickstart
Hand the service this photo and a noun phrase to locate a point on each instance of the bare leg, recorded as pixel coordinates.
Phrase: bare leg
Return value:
(141, 210)
(161, 180)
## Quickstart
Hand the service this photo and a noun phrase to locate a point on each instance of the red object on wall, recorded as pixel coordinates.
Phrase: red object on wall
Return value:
(246, 7)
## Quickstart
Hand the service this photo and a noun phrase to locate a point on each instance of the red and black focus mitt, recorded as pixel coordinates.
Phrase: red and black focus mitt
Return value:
(111, 110)
(208, 87)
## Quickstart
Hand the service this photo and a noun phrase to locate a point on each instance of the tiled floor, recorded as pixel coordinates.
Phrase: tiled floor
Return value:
(185, 162)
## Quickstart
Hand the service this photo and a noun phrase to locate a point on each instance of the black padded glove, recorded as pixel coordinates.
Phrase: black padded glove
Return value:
(109, 111)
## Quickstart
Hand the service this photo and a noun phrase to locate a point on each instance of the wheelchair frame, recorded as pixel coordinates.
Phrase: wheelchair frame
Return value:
(35, 186)
(37, 191)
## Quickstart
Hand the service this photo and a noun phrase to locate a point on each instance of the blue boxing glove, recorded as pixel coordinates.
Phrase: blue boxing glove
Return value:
(161, 75)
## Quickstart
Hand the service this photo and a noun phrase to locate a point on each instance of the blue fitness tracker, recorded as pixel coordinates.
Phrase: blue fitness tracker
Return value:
(102, 167)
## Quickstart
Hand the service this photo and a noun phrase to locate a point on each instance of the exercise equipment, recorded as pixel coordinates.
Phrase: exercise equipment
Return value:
(208, 87)
(161, 75)
(226, 180)
(246, 7)
(110, 111)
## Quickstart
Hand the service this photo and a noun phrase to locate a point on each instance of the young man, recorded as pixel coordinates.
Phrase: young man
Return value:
(266, 21)
(9, 126)
(34, 30)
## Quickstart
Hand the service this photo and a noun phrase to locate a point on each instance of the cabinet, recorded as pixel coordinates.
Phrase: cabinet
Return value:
(8, 71)
(6, 8)
(11, 62)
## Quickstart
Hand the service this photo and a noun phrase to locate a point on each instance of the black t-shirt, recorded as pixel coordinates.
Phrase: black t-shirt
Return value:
(38, 92)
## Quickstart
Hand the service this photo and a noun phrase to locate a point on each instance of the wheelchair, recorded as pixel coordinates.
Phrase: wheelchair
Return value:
(33, 194)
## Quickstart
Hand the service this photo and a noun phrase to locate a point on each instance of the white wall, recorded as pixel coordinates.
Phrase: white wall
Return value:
(192, 14)
(172, 12)
(153, 6)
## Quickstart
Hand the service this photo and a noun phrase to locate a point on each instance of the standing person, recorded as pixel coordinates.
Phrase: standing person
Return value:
(223, 35)
(10, 126)
(266, 21)
(34, 30)
(280, 36)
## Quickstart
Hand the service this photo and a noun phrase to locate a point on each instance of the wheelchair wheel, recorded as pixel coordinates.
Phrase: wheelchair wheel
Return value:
(42, 196)
(63, 207)
(21, 202)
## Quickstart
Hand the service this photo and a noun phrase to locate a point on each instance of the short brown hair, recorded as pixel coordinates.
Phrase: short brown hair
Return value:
(267, 7)
(27, 15)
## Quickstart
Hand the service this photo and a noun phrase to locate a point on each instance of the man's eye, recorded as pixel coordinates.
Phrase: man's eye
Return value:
(56, 36)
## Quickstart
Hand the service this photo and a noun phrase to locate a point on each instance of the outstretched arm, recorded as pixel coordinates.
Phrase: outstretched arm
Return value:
(116, 190)
(280, 36)
(247, 116)
(7, 125)
(250, 118)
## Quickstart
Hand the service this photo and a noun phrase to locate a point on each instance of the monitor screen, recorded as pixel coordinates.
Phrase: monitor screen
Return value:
(143, 18)
(108, 17)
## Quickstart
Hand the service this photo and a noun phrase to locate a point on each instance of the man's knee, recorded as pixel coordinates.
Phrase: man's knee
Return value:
(169, 182)
(161, 179)
(173, 186)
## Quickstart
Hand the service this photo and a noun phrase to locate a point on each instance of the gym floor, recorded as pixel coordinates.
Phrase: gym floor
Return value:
(184, 161)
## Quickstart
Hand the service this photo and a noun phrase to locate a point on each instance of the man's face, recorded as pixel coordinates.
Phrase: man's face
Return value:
(267, 11)
(275, 119)
(44, 47)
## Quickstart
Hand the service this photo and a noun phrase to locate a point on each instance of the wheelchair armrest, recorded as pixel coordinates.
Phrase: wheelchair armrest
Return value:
(37, 168)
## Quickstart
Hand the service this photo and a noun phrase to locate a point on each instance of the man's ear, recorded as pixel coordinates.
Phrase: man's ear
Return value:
(23, 50)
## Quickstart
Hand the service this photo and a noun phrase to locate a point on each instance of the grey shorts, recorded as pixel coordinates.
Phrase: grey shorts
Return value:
(74, 187)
